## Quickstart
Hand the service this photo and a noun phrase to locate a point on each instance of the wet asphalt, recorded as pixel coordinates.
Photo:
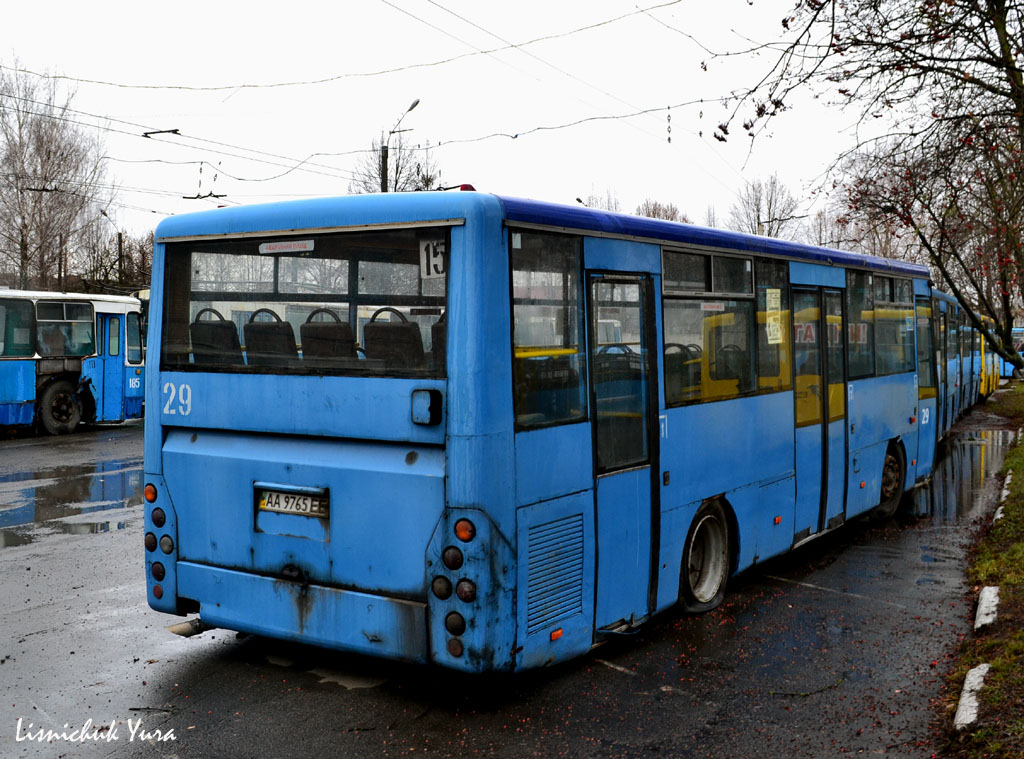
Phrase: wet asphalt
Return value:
(840, 647)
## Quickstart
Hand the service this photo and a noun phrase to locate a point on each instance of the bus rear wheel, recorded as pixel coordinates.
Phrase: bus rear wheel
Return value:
(706, 560)
(893, 474)
(58, 409)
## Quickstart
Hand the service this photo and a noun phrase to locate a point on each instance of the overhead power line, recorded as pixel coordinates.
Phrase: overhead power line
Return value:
(355, 75)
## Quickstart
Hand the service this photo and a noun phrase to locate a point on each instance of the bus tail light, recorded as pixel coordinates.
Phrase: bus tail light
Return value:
(465, 530)
(442, 588)
(452, 558)
(149, 492)
(455, 623)
(466, 590)
(159, 517)
(150, 541)
(158, 571)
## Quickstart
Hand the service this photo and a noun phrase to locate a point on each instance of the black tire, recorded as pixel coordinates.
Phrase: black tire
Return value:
(707, 560)
(59, 411)
(894, 472)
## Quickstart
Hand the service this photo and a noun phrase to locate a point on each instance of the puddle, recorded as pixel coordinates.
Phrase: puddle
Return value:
(47, 497)
(967, 463)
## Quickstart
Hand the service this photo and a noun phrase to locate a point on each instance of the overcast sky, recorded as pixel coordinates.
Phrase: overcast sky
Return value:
(256, 88)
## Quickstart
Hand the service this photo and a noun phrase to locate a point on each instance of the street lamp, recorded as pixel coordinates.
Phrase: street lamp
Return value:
(384, 147)
(120, 247)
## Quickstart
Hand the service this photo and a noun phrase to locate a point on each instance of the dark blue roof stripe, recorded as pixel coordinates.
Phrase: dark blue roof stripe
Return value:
(592, 220)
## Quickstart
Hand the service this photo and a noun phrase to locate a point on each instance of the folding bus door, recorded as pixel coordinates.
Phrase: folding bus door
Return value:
(110, 348)
(621, 328)
(820, 410)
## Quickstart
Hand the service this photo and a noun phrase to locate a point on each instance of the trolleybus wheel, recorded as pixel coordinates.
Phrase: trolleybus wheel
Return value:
(58, 409)
(893, 474)
(706, 560)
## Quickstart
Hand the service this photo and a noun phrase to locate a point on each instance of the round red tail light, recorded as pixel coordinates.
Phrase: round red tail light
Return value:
(159, 518)
(442, 588)
(455, 623)
(466, 590)
(452, 557)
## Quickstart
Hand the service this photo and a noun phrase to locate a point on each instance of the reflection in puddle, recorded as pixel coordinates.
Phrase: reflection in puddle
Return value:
(47, 497)
(966, 463)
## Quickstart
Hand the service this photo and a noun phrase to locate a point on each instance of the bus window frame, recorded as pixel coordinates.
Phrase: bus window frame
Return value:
(672, 294)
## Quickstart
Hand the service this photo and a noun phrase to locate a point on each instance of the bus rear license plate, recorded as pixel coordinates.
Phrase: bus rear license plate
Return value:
(294, 503)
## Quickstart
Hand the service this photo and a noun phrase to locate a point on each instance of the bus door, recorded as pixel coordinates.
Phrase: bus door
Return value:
(820, 410)
(110, 351)
(621, 327)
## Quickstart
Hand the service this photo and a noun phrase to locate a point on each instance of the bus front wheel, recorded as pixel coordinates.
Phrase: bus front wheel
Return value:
(706, 560)
(58, 410)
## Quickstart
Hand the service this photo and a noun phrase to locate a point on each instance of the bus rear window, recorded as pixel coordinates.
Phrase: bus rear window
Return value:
(64, 329)
(17, 324)
(358, 303)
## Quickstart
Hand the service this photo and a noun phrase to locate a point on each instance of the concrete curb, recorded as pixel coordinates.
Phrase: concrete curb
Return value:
(1003, 496)
(967, 709)
(988, 604)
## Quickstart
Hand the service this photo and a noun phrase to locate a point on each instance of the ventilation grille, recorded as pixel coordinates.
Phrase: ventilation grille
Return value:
(554, 587)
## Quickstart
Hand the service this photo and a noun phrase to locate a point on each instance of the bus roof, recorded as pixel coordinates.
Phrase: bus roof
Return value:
(94, 298)
(400, 208)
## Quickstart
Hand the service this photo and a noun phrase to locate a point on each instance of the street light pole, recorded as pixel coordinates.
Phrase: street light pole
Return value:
(384, 147)
(120, 248)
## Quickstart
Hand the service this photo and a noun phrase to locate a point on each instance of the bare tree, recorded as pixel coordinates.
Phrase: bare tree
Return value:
(941, 86)
(608, 202)
(51, 175)
(410, 169)
(656, 210)
(764, 208)
(710, 217)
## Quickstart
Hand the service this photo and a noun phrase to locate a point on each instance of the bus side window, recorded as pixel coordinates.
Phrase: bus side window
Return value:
(17, 325)
(133, 333)
(547, 339)
(860, 344)
(773, 330)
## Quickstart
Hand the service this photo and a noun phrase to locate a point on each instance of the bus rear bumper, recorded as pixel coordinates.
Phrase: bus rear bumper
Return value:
(313, 614)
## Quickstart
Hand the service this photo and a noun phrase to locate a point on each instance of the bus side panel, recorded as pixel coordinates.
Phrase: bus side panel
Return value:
(134, 391)
(555, 596)
(881, 409)
(17, 392)
(927, 437)
(709, 449)
(553, 462)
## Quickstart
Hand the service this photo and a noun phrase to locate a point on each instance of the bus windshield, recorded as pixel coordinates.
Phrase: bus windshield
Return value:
(356, 303)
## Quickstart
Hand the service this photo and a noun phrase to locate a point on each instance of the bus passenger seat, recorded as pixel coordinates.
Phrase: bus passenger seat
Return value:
(439, 342)
(269, 343)
(322, 341)
(398, 343)
(214, 341)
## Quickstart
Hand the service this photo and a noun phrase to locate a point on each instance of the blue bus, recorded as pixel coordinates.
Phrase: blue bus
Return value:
(488, 433)
(66, 358)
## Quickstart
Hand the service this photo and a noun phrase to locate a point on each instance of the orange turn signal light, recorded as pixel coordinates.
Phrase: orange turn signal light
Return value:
(465, 530)
(556, 634)
(149, 492)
